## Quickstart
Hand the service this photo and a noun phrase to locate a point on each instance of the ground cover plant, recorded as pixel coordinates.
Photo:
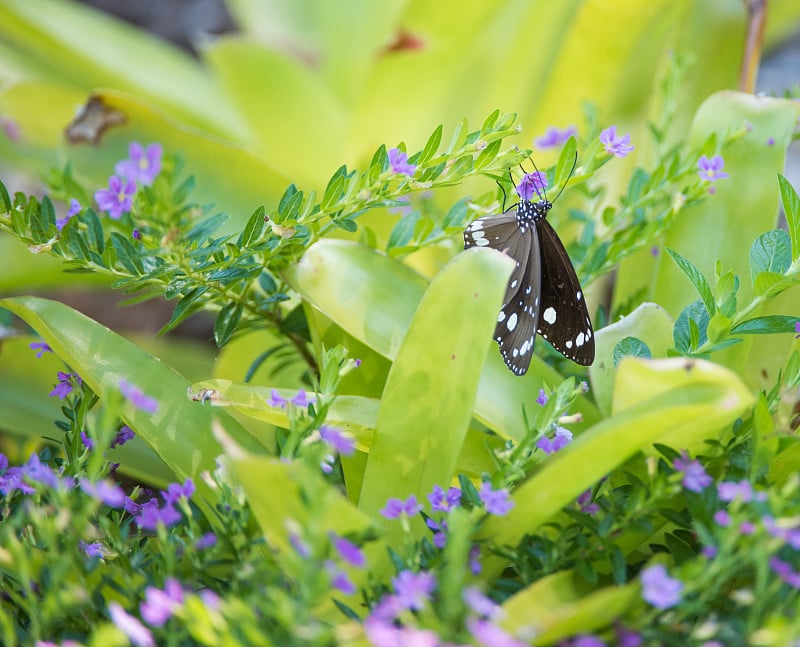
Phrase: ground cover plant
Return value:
(360, 467)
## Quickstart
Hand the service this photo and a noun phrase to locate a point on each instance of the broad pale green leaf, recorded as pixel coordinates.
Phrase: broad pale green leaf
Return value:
(374, 297)
(560, 605)
(676, 402)
(771, 252)
(767, 325)
(791, 207)
(650, 323)
(180, 430)
(428, 399)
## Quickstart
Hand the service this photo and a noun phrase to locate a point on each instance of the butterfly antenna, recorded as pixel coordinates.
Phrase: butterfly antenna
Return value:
(572, 170)
(539, 173)
(500, 186)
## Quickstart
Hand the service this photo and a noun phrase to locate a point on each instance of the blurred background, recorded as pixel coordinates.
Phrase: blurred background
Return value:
(257, 94)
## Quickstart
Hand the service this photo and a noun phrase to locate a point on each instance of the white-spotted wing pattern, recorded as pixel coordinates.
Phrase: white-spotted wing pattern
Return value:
(543, 294)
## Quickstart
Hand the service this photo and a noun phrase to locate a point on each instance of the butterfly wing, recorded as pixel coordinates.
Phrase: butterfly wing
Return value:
(563, 320)
(516, 324)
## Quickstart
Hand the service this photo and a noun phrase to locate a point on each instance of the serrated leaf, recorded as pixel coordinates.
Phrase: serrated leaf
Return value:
(697, 279)
(767, 325)
(770, 252)
(695, 314)
(791, 207)
(630, 347)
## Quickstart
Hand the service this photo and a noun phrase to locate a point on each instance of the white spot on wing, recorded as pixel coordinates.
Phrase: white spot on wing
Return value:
(579, 339)
(512, 322)
(514, 283)
(549, 315)
(481, 242)
(568, 343)
(501, 316)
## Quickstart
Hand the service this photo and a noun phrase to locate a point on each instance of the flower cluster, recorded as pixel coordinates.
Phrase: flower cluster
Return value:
(142, 167)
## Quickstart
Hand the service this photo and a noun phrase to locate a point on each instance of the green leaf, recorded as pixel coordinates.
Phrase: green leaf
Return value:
(630, 347)
(487, 155)
(565, 161)
(771, 252)
(226, 322)
(253, 228)
(126, 253)
(767, 325)
(179, 432)
(189, 304)
(437, 369)
(334, 189)
(431, 146)
(791, 207)
(690, 327)
(697, 279)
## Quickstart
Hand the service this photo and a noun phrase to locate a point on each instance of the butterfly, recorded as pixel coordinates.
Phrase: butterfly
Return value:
(543, 295)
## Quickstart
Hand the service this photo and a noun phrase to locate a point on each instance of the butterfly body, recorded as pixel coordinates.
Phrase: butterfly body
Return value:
(543, 295)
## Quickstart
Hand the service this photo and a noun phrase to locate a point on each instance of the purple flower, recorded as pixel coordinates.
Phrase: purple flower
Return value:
(711, 169)
(619, 146)
(275, 399)
(136, 234)
(413, 589)
(490, 635)
(554, 137)
(136, 632)
(300, 400)
(626, 637)
(747, 528)
(300, 546)
(659, 589)
(561, 439)
(542, 399)
(130, 506)
(348, 551)
(158, 605)
(396, 507)
(176, 491)
(74, 209)
(206, 541)
(586, 640)
(771, 141)
(442, 502)
(399, 162)
(531, 183)
(124, 434)
(439, 531)
(141, 166)
(86, 441)
(741, 491)
(95, 549)
(137, 398)
(480, 604)
(796, 329)
(654, 251)
(585, 503)
(474, 559)
(341, 442)
(695, 477)
(116, 199)
(105, 492)
(722, 518)
(66, 383)
(785, 572)
(496, 501)
(339, 578)
(385, 634)
(150, 515)
(40, 347)
(709, 552)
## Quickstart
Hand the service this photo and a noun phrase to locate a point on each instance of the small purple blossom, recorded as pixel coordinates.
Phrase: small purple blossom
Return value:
(385, 634)
(338, 440)
(741, 491)
(618, 146)
(395, 507)
(490, 635)
(150, 515)
(481, 604)
(785, 571)
(206, 541)
(94, 549)
(413, 589)
(300, 400)
(275, 399)
(130, 506)
(300, 546)
(771, 141)
(176, 491)
(398, 160)
(141, 166)
(585, 503)
(137, 398)
(474, 559)
(654, 251)
(560, 439)
(136, 632)
(627, 637)
(67, 382)
(659, 589)
(586, 640)
(74, 209)
(348, 551)
(722, 518)
(40, 347)
(124, 434)
(709, 552)
(711, 169)
(496, 501)
(158, 605)
(542, 399)
(339, 578)
(442, 502)
(117, 198)
(554, 137)
(695, 477)
(86, 441)
(439, 531)
(747, 528)
(530, 184)
(136, 234)
(105, 492)
(796, 330)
